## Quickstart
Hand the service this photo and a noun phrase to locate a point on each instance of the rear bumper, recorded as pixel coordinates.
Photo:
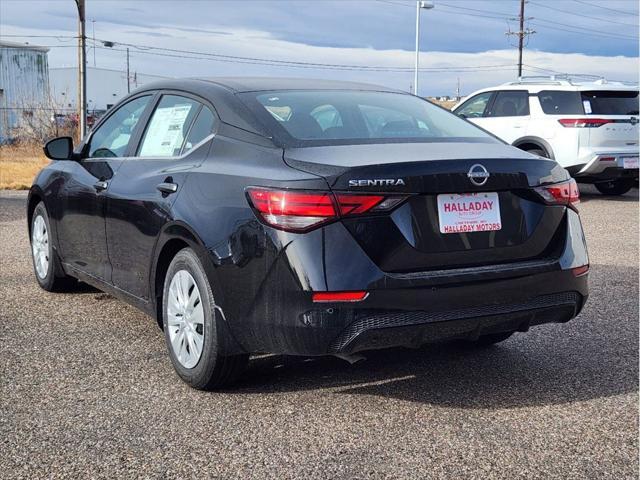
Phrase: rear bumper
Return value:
(605, 166)
(403, 309)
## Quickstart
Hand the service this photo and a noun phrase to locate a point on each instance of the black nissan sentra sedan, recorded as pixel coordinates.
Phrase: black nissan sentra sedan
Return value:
(306, 218)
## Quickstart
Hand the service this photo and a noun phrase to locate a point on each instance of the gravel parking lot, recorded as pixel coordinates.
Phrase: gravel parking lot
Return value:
(87, 390)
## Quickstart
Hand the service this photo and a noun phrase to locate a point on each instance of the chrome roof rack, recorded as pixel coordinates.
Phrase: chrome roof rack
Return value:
(569, 79)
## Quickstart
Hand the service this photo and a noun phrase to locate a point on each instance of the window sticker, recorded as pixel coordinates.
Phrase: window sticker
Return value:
(164, 136)
(587, 106)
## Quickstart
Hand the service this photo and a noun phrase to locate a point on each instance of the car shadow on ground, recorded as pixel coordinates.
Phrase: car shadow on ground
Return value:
(589, 192)
(594, 356)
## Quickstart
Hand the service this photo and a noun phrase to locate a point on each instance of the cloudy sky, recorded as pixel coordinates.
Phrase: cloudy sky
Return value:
(460, 39)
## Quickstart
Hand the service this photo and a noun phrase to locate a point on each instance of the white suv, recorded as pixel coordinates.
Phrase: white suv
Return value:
(590, 128)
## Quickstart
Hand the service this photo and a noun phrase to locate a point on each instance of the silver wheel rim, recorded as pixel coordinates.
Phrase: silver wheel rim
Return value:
(185, 319)
(40, 246)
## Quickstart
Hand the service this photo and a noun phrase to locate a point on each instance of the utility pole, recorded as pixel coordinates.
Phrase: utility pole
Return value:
(458, 89)
(128, 75)
(82, 71)
(521, 33)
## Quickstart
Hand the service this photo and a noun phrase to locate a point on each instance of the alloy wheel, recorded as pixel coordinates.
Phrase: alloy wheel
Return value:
(40, 246)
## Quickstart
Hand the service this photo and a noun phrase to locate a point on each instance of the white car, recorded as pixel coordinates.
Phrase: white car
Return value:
(590, 128)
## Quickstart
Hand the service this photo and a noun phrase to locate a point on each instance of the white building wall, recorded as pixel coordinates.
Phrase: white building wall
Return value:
(104, 87)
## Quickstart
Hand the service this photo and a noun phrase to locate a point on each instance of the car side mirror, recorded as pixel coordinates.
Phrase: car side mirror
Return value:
(461, 115)
(60, 148)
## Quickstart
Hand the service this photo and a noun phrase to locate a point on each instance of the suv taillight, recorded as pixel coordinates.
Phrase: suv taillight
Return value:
(583, 122)
(300, 211)
(565, 193)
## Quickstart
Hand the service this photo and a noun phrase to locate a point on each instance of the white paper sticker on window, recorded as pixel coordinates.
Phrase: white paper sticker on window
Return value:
(587, 106)
(165, 133)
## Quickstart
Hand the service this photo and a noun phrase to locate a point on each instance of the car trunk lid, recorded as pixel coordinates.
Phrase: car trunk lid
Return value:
(411, 238)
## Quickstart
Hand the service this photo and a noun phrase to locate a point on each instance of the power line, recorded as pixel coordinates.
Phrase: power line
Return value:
(583, 15)
(200, 56)
(537, 25)
(606, 8)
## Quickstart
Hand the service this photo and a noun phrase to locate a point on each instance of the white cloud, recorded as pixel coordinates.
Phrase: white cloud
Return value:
(262, 44)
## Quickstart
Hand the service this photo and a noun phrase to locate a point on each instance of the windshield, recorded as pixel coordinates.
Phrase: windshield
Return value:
(330, 117)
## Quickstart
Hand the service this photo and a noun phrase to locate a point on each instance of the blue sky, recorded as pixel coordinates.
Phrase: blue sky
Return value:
(576, 36)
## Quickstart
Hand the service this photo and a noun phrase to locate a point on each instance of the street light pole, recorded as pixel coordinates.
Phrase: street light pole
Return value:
(419, 5)
(82, 70)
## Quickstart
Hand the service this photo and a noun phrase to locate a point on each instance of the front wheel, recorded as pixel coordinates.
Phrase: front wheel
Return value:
(192, 326)
(615, 187)
(46, 265)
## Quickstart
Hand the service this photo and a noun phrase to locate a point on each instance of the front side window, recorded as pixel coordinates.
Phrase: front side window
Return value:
(168, 127)
(112, 138)
(510, 103)
(475, 106)
(319, 117)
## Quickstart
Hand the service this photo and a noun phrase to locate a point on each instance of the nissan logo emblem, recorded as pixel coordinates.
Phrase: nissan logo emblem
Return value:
(478, 175)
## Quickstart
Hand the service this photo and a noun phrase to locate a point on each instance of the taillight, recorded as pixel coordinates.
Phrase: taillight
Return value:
(298, 211)
(565, 193)
(583, 122)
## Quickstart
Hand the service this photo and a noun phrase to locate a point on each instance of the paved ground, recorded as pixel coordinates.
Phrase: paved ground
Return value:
(86, 390)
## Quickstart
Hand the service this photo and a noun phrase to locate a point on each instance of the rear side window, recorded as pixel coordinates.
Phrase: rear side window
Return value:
(168, 127)
(610, 102)
(557, 102)
(201, 129)
(510, 103)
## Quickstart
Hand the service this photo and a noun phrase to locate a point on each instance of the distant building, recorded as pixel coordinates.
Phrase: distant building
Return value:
(104, 87)
(24, 86)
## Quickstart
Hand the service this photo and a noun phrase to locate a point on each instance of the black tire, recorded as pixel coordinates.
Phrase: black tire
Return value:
(538, 151)
(489, 339)
(615, 187)
(55, 280)
(212, 370)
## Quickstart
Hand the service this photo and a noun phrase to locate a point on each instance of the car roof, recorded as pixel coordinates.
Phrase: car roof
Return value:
(256, 84)
(223, 92)
(563, 85)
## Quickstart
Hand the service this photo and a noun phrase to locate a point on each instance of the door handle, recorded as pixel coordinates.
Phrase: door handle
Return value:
(167, 187)
(101, 185)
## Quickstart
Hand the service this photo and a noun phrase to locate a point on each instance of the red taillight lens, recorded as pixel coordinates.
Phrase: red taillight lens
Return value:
(354, 204)
(290, 210)
(583, 122)
(324, 297)
(565, 193)
(299, 211)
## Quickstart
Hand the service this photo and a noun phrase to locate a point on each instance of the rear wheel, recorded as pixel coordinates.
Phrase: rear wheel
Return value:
(489, 339)
(615, 187)
(192, 326)
(46, 266)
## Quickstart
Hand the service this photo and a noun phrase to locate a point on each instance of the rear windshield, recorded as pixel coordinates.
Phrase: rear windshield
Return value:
(610, 102)
(598, 102)
(334, 117)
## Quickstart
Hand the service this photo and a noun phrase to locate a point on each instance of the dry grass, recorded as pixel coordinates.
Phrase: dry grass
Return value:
(19, 164)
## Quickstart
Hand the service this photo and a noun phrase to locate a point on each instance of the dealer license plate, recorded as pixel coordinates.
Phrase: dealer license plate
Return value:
(630, 162)
(469, 212)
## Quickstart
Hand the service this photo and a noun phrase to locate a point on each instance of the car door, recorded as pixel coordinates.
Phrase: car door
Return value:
(81, 223)
(507, 116)
(175, 139)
